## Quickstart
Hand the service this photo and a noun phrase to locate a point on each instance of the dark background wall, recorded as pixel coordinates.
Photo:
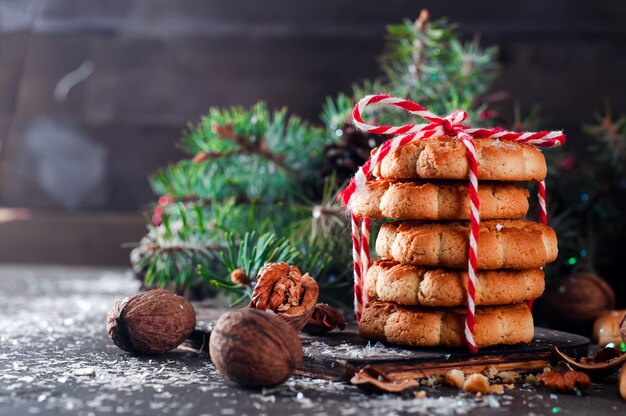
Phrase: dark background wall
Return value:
(78, 159)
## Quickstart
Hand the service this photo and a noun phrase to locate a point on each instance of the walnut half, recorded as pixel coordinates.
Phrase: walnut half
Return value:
(282, 289)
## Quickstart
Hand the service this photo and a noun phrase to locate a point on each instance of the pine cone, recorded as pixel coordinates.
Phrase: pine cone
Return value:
(352, 151)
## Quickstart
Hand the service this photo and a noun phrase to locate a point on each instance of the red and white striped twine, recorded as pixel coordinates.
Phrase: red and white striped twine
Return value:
(356, 262)
(435, 128)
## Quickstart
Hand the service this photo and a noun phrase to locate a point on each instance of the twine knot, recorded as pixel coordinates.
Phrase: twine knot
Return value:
(449, 129)
(452, 124)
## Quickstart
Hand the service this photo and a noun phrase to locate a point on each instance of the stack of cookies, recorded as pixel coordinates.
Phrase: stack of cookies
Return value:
(418, 286)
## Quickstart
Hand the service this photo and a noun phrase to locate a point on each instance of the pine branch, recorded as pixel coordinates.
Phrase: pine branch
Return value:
(419, 43)
(335, 113)
(246, 146)
(253, 154)
(430, 64)
(203, 156)
(338, 111)
(609, 145)
(589, 193)
(427, 62)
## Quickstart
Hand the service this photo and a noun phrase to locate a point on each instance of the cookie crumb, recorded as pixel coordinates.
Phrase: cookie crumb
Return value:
(508, 377)
(490, 372)
(496, 389)
(420, 394)
(531, 379)
(432, 381)
(455, 378)
(476, 383)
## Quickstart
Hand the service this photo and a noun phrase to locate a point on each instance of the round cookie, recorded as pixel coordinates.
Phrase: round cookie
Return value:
(502, 244)
(390, 281)
(439, 201)
(422, 327)
(446, 158)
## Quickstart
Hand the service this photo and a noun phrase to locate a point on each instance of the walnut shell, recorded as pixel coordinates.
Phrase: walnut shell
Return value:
(325, 318)
(152, 322)
(254, 348)
(282, 289)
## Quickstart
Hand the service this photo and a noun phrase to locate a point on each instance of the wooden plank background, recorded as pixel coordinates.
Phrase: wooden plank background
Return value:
(160, 63)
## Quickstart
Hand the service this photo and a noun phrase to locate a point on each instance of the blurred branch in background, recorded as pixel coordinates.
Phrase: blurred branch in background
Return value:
(589, 195)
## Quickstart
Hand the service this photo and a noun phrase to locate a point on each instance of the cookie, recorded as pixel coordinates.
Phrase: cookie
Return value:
(429, 327)
(439, 201)
(502, 244)
(446, 158)
(390, 281)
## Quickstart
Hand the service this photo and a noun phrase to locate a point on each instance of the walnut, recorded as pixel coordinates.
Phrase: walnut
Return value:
(325, 318)
(578, 300)
(606, 328)
(564, 381)
(282, 289)
(152, 322)
(255, 349)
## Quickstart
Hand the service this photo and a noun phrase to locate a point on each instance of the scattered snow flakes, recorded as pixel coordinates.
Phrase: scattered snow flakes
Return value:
(84, 372)
(55, 358)
(343, 351)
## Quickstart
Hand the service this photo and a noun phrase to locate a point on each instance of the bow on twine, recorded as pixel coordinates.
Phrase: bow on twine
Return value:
(438, 127)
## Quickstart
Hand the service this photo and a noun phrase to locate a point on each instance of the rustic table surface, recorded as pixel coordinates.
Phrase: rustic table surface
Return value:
(55, 358)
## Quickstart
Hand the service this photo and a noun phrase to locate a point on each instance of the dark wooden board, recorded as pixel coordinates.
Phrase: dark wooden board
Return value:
(338, 355)
(398, 362)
